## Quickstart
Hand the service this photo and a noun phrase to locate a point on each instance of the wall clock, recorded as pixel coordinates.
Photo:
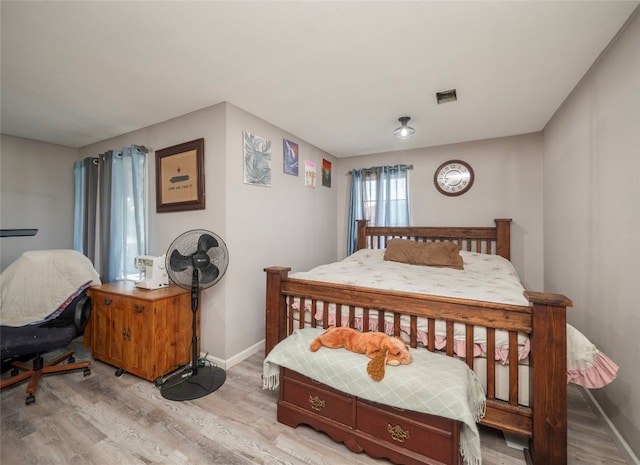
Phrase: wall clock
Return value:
(453, 177)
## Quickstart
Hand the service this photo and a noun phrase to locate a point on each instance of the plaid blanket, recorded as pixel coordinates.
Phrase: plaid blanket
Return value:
(433, 383)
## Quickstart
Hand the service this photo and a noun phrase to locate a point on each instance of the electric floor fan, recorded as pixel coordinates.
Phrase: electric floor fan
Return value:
(196, 260)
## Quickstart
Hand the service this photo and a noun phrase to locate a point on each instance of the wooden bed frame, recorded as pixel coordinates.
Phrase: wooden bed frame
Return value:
(544, 420)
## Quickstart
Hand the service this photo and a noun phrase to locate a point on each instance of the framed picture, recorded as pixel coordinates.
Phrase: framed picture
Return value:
(257, 160)
(310, 173)
(326, 173)
(180, 177)
(290, 157)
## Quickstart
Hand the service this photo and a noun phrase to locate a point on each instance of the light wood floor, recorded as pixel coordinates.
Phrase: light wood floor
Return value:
(103, 420)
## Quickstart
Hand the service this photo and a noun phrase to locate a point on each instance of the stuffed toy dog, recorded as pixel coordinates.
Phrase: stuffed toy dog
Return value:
(381, 348)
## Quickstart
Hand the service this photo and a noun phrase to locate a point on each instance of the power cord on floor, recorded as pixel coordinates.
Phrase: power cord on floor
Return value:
(181, 374)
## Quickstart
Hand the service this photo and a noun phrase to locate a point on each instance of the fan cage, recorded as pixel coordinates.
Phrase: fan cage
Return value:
(187, 244)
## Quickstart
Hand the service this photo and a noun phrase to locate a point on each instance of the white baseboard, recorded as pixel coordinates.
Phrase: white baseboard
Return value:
(616, 434)
(245, 354)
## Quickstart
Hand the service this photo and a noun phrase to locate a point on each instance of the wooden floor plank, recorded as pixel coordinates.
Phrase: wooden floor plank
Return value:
(107, 420)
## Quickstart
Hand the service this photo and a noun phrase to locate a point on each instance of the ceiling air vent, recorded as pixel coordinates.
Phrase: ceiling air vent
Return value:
(446, 96)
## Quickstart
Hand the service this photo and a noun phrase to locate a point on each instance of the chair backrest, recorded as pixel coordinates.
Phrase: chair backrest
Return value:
(76, 312)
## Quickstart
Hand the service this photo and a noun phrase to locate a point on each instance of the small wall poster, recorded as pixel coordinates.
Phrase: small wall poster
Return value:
(310, 173)
(326, 173)
(290, 157)
(257, 160)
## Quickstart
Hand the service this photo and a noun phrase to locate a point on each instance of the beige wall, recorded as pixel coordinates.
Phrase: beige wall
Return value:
(36, 191)
(285, 224)
(592, 217)
(508, 184)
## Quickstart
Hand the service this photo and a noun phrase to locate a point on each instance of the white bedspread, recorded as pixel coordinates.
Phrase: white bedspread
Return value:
(39, 282)
(432, 383)
(490, 278)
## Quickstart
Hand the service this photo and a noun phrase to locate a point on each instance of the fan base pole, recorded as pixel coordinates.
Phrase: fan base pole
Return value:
(194, 386)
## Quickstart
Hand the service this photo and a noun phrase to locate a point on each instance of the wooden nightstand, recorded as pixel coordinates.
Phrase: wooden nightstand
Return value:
(145, 332)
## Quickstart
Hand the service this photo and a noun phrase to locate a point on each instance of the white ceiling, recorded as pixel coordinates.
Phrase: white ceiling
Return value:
(335, 74)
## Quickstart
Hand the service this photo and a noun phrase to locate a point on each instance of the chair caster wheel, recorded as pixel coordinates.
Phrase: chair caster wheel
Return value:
(71, 359)
(14, 372)
(30, 399)
(119, 372)
(86, 372)
(158, 381)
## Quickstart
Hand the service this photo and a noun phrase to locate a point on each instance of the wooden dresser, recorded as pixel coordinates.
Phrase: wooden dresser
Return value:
(147, 333)
(402, 436)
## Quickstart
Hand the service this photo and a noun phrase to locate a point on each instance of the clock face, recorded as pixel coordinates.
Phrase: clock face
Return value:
(453, 177)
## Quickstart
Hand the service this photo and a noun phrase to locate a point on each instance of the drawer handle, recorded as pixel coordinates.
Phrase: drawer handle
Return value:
(138, 308)
(397, 433)
(317, 404)
(107, 301)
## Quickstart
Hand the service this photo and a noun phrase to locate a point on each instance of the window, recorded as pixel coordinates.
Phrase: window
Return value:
(386, 197)
(379, 195)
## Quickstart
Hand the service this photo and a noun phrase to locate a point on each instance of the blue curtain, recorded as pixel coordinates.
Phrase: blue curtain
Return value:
(127, 235)
(380, 195)
(355, 209)
(392, 197)
(121, 209)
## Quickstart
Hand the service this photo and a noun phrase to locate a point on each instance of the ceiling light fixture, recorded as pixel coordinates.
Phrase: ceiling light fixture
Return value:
(404, 131)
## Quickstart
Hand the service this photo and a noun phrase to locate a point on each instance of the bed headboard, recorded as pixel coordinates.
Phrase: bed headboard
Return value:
(494, 240)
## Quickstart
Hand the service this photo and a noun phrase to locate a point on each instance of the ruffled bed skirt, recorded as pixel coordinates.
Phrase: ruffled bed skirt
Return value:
(586, 365)
(603, 371)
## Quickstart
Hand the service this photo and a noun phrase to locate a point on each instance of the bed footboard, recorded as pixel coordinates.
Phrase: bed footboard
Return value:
(275, 314)
(294, 303)
(548, 443)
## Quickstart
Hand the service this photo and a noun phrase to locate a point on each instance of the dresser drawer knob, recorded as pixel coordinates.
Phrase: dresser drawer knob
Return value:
(397, 433)
(138, 308)
(317, 404)
(106, 301)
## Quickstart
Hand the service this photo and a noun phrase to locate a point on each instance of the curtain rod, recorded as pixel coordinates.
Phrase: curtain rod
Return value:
(409, 167)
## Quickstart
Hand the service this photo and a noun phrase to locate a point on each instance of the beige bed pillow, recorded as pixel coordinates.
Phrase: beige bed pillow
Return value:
(443, 254)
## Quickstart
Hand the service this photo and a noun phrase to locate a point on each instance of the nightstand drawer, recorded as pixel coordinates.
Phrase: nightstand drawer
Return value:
(317, 398)
(105, 300)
